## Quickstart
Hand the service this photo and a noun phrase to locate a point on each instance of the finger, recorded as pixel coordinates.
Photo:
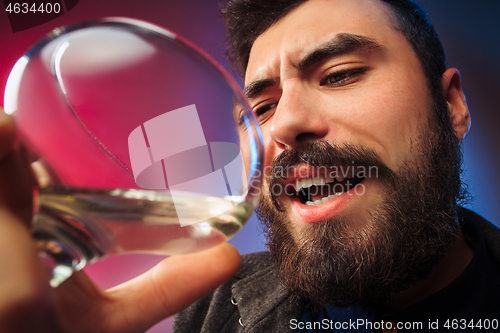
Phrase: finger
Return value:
(169, 287)
(16, 181)
(80, 302)
(26, 300)
(7, 131)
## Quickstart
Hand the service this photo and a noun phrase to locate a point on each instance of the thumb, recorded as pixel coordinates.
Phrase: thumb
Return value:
(169, 287)
(16, 180)
(7, 133)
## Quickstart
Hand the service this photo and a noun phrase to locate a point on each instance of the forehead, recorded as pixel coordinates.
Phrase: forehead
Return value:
(314, 23)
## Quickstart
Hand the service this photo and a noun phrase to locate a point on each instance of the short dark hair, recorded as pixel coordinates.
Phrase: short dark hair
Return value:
(248, 19)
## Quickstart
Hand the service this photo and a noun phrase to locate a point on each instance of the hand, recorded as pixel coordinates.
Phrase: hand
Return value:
(29, 304)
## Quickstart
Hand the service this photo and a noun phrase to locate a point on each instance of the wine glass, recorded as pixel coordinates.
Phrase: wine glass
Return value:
(140, 142)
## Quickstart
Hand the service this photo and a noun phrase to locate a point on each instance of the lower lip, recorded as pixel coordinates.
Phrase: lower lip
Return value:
(325, 211)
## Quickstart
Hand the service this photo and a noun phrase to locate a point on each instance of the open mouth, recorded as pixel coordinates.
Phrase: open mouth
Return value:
(315, 191)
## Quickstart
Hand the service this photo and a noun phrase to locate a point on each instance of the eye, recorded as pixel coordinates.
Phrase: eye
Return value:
(342, 77)
(262, 111)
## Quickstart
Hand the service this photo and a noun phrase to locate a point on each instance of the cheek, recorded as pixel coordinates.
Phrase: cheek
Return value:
(387, 118)
(270, 149)
(269, 155)
(245, 152)
(269, 152)
(390, 116)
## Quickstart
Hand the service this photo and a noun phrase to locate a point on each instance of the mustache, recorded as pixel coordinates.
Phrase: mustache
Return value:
(343, 157)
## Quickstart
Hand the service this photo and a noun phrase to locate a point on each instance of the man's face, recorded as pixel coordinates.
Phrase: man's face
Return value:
(375, 95)
(337, 78)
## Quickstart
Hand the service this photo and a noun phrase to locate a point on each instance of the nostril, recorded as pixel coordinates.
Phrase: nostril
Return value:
(280, 145)
(305, 137)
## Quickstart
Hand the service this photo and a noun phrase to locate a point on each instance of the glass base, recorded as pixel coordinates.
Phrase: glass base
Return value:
(60, 249)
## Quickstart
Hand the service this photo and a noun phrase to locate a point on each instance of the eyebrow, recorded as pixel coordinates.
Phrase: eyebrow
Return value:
(341, 44)
(256, 87)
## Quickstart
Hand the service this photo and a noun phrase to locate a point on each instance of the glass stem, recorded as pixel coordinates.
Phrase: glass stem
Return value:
(61, 247)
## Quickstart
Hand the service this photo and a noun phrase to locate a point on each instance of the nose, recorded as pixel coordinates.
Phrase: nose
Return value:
(298, 118)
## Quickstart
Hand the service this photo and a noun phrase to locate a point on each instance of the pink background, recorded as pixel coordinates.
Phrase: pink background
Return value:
(470, 32)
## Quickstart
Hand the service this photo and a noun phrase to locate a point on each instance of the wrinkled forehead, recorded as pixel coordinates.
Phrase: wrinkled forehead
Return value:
(315, 22)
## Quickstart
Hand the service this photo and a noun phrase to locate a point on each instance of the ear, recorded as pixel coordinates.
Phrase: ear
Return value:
(457, 105)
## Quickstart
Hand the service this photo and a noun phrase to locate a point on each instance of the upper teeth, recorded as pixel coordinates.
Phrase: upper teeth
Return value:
(319, 181)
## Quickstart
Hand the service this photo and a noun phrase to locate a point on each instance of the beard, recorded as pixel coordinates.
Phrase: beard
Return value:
(406, 235)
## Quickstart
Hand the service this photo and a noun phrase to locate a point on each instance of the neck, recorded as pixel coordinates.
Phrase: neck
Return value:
(457, 257)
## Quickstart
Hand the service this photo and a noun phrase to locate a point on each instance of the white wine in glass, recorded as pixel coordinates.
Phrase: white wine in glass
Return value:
(140, 142)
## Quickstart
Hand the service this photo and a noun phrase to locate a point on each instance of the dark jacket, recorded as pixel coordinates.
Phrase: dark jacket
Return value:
(254, 301)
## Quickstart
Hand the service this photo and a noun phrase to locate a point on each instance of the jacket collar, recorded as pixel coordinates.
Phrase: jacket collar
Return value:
(264, 302)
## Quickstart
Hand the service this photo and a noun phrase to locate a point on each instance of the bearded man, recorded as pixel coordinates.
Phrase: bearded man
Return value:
(362, 126)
